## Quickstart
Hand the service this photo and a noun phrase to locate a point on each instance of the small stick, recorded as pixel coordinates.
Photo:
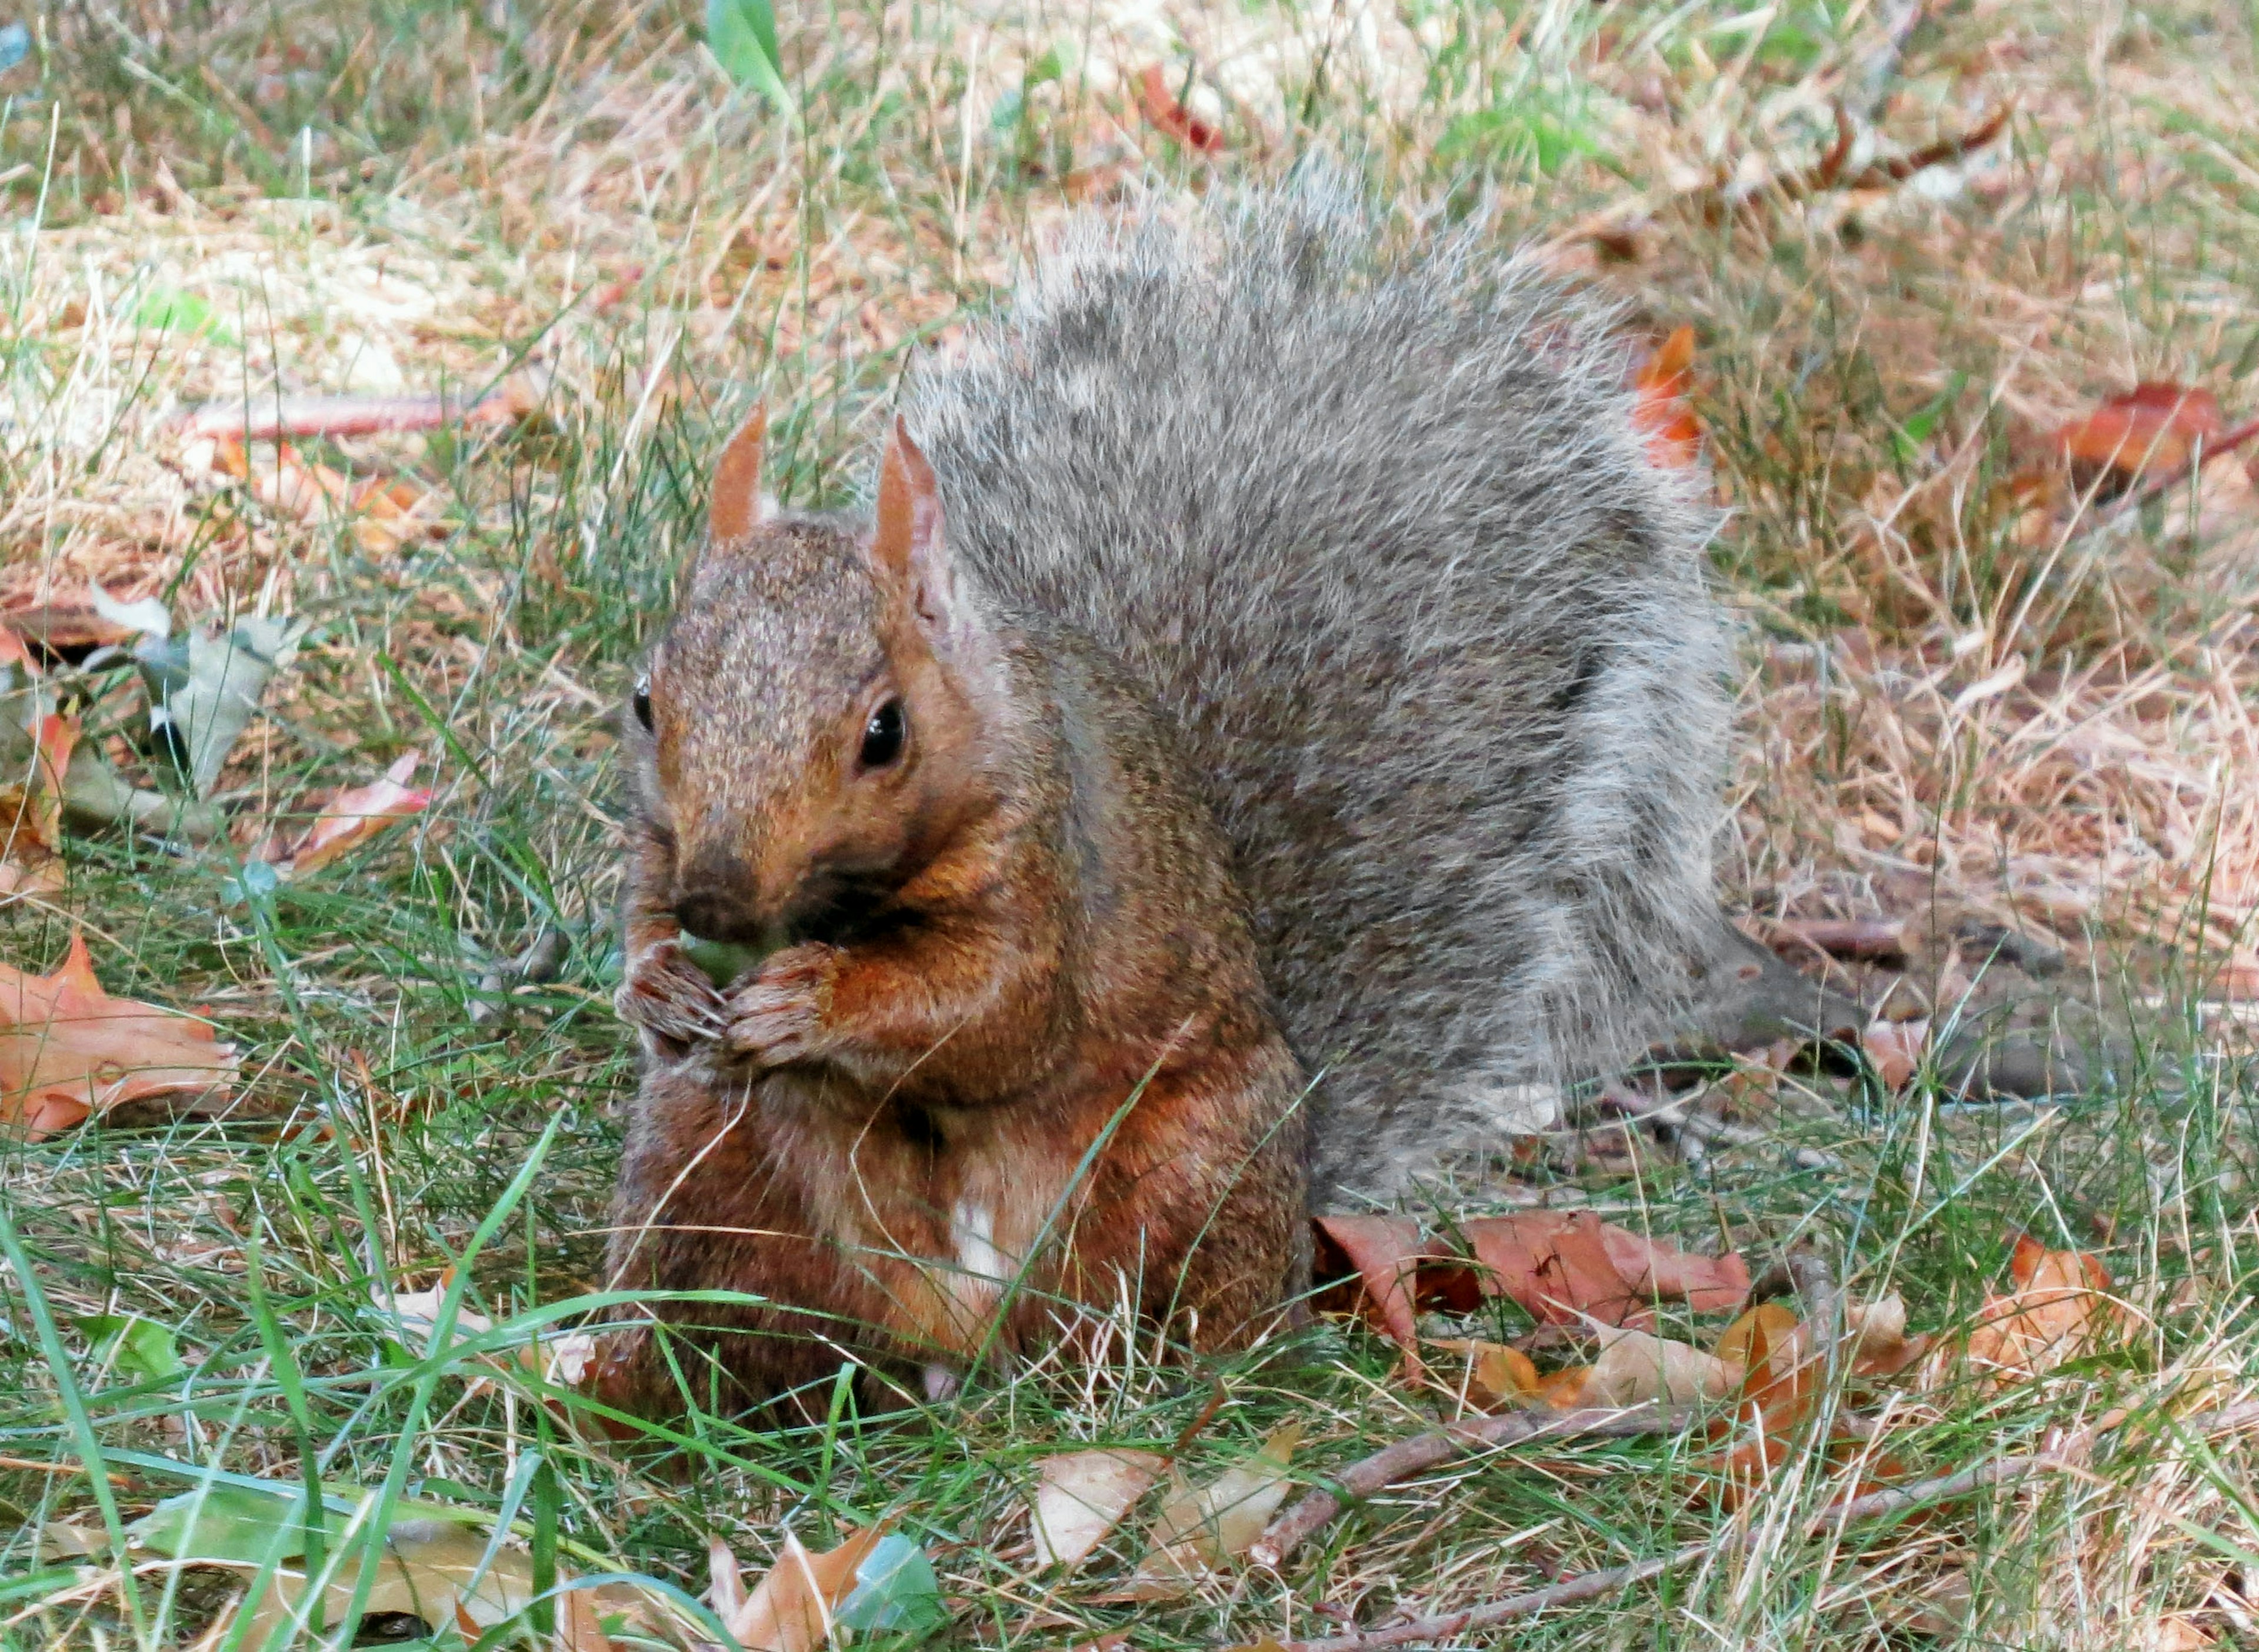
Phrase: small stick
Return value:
(2165, 481)
(1423, 1451)
(1587, 1585)
(1846, 937)
(274, 420)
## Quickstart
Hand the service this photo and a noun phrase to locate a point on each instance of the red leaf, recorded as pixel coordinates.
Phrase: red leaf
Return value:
(2153, 426)
(1662, 412)
(1384, 1251)
(1565, 1267)
(1171, 118)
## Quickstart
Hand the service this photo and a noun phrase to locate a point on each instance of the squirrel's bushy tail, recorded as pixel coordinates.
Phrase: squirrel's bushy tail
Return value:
(1371, 525)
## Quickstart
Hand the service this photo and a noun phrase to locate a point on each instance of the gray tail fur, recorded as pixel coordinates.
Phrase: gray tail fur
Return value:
(1371, 525)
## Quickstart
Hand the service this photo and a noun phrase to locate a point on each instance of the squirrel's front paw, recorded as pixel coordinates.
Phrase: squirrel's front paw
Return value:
(775, 1019)
(671, 999)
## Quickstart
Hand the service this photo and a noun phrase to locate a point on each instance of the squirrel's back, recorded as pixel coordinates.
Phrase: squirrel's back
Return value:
(1374, 531)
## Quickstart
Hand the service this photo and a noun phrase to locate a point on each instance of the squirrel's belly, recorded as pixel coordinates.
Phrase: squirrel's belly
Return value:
(946, 1221)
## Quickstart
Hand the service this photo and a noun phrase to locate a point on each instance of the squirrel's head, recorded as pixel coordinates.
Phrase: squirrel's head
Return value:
(809, 730)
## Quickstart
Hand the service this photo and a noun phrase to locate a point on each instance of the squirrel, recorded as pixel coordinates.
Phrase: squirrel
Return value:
(1272, 718)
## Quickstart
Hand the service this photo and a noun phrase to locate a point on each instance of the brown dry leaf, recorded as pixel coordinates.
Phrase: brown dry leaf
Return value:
(1080, 1496)
(385, 514)
(2178, 1634)
(1384, 1251)
(2151, 427)
(1878, 1345)
(1565, 1267)
(1635, 1367)
(1662, 412)
(1895, 1048)
(68, 1049)
(1198, 1531)
(790, 1610)
(352, 817)
(1171, 117)
(1494, 1376)
(2060, 1310)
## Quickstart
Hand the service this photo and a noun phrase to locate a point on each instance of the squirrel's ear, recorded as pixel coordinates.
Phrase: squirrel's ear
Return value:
(906, 551)
(734, 504)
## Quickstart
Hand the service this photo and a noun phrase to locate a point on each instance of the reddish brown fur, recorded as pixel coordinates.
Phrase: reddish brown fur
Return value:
(1047, 1071)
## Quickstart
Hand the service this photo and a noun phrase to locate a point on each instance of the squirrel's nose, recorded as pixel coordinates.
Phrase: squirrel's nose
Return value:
(716, 914)
(715, 900)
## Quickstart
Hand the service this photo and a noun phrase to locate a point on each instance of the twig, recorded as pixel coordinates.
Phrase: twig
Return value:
(1845, 938)
(2165, 481)
(1895, 1500)
(265, 421)
(1715, 201)
(1829, 173)
(1423, 1451)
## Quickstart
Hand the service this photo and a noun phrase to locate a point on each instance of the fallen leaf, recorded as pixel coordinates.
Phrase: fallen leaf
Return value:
(895, 1593)
(1386, 1251)
(32, 804)
(1080, 1496)
(1895, 1048)
(1708, 1285)
(204, 688)
(1748, 1339)
(1197, 1531)
(353, 817)
(1779, 1389)
(1566, 1389)
(795, 1607)
(69, 1049)
(2178, 1634)
(1493, 1375)
(1661, 410)
(138, 1350)
(1879, 1343)
(1171, 117)
(2060, 1310)
(1566, 1267)
(1635, 1367)
(35, 743)
(2153, 426)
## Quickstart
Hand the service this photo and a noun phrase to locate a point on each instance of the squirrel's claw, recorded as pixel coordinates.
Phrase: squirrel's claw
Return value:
(671, 1001)
(775, 1019)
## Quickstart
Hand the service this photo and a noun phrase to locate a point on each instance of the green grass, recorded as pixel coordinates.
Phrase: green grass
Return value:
(406, 1112)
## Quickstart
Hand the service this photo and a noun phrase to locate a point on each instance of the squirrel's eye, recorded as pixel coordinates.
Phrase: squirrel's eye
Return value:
(883, 734)
(642, 704)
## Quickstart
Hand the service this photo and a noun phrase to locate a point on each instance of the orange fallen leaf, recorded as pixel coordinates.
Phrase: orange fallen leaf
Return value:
(1783, 1362)
(352, 817)
(1494, 1376)
(69, 1049)
(2152, 426)
(1565, 1267)
(2060, 1310)
(1173, 118)
(1662, 411)
(31, 811)
(1565, 1390)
